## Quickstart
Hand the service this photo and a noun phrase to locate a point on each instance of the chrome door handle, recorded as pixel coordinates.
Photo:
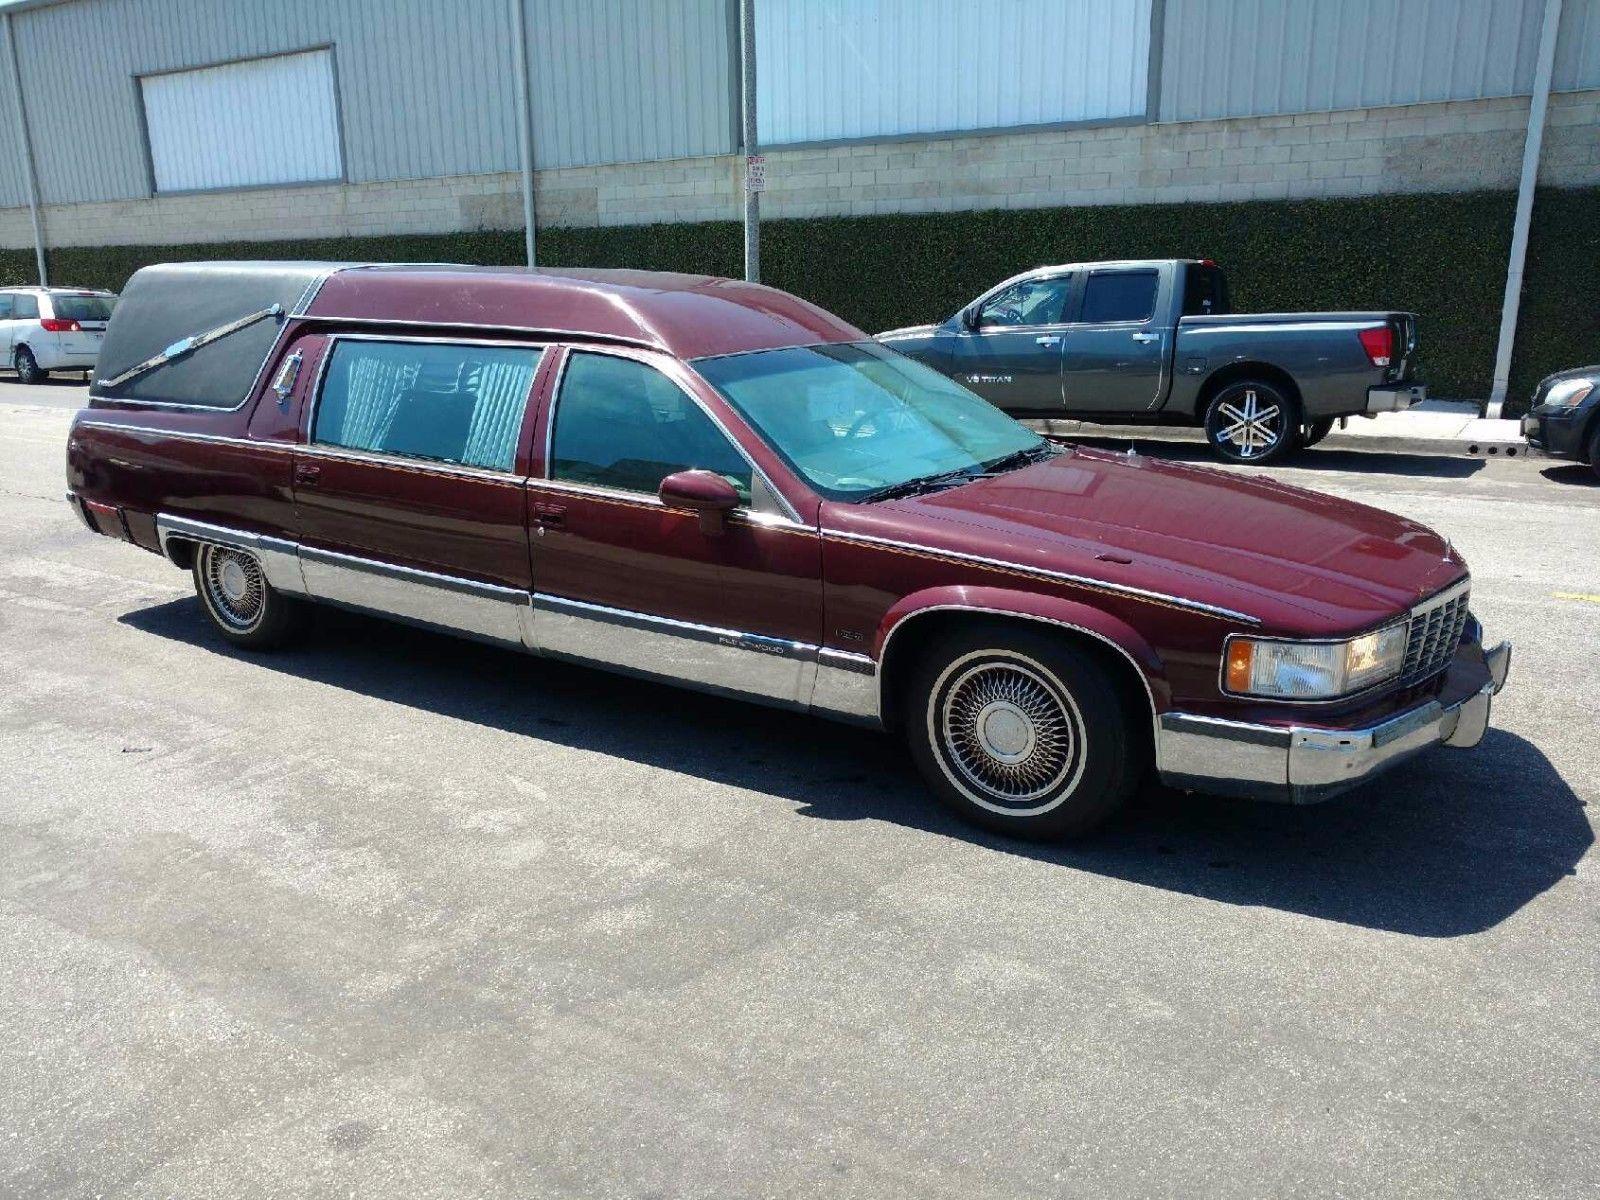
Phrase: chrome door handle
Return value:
(1147, 337)
(1048, 339)
(548, 516)
(305, 472)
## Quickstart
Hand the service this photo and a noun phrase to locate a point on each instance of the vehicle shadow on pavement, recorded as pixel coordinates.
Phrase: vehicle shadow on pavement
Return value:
(1318, 458)
(1572, 475)
(1447, 844)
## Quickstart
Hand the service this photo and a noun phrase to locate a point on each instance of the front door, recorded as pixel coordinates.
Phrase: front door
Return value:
(1116, 351)
(1011, 356)
(621, 579)
(406, 493)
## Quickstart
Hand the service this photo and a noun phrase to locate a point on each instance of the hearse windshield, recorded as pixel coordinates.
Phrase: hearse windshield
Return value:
(861, 422)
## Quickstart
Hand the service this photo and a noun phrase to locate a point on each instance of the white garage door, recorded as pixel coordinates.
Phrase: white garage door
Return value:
(839, 69)
(244, 124)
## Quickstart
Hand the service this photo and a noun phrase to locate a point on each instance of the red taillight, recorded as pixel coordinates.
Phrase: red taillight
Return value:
(58, 325)
(1379, 345)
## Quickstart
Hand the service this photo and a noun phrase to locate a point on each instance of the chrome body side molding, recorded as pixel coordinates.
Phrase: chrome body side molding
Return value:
(279, 559)
(479, 610)
(791, 674)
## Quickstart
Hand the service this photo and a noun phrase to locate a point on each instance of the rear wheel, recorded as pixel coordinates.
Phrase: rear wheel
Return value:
(1252, 422)
(242, 605)
(1021, 732)
(28, 368)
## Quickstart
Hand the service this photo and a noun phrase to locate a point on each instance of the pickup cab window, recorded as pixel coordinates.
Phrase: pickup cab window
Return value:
(1112, 297)
(445, 402)
(623, 424)
(1029, 302)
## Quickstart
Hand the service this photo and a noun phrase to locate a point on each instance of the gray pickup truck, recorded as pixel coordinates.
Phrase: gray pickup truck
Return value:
(1154, 342)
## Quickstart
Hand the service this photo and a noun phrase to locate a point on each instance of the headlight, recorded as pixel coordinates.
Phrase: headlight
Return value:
(1313, 670)
(1569, 393)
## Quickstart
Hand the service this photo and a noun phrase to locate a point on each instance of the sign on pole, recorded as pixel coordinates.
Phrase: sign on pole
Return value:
(755, 173)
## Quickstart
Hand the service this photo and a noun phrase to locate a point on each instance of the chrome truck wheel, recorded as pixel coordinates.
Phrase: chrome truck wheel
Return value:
(1021, 730)
(242, 605)
(1252, 422)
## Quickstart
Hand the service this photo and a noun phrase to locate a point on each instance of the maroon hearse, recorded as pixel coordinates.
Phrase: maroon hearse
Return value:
(719, 485)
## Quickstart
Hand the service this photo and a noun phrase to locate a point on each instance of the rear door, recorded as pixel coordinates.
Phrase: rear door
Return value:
(1115, 349)
(1013, 356)
(410, 486)
(7, 326)
(90, 312)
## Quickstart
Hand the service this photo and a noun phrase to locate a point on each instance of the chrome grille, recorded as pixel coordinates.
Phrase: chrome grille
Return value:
(1433, 633)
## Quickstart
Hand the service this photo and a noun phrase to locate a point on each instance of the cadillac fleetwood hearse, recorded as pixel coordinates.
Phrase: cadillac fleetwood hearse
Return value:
(720, 485)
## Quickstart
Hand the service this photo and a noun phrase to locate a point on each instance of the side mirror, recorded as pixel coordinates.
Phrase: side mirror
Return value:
(702, 492)
(969, 318)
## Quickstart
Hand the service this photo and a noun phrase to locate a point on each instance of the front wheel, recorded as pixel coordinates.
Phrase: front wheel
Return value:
(28, 368)
(1021, 732)
(243, 607)
(1252, 422)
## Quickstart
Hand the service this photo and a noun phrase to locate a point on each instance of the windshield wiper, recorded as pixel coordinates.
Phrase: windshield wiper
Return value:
(926, 483)
(1020, 458)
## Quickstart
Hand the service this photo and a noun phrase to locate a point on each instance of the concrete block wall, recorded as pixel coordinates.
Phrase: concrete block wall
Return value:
(1455, 146)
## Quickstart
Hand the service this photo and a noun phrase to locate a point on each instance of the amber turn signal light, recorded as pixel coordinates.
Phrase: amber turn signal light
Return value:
(1241, 655)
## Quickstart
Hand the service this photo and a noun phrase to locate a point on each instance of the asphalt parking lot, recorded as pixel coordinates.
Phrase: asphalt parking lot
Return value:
(396, 915)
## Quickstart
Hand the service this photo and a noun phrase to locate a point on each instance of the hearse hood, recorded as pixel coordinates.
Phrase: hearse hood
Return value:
(1301, 562)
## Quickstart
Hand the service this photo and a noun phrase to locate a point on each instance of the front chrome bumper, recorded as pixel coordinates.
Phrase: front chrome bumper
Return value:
(1302, 764)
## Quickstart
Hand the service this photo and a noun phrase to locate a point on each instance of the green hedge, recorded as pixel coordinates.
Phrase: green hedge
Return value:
(1440, 255)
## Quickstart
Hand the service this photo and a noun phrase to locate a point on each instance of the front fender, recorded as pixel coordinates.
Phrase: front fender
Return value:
(1068, 614)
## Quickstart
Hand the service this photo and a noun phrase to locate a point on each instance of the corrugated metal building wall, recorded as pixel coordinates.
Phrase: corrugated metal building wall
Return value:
(1251, 58)
(629, 80)
(13, 188)
(425, 87)
(422, 84)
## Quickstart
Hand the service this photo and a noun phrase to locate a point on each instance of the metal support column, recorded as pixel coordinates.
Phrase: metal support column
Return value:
(747, 110)
(25, 148)
(1519, 231)
(519, 28)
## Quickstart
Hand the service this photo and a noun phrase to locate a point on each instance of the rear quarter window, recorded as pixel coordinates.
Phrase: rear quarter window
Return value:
(25, 308)
(445, 402)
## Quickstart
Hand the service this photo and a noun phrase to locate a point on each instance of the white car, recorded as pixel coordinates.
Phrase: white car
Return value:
(52, 329)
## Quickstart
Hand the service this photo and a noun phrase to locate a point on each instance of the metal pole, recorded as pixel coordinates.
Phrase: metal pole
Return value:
(25, 146)
(747, 109)
(1519, 230)
(524, 125)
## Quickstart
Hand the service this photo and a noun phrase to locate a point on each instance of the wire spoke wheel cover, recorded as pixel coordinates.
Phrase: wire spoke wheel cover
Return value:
(1007, 733)
(235, 590)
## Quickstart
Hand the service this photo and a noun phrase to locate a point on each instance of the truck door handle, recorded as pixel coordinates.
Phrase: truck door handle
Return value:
(1147, 337)
(307, 473)
(1048, 339)
(548, 516)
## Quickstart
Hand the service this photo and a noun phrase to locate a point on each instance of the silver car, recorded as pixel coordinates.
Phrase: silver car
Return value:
(52, 329)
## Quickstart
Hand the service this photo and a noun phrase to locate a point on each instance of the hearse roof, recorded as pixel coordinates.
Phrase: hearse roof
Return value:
(690, 316)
